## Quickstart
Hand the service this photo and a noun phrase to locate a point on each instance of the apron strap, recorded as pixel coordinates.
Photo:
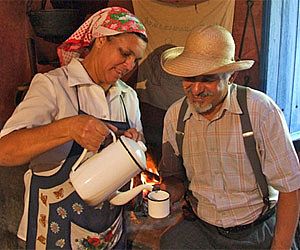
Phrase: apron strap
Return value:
(119, 125)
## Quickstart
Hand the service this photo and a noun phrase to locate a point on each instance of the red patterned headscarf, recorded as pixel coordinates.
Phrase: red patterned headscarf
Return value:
(106, 22)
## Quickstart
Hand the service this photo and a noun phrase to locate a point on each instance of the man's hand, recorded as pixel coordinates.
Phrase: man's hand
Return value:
(286, 220)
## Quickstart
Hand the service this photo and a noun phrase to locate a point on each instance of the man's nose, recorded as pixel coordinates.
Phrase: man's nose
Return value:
(197, 88)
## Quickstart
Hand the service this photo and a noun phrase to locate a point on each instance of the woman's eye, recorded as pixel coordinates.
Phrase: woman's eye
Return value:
(129, 55)
(124, 53)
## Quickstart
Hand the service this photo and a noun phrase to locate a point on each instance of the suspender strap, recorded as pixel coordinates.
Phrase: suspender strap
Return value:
(250, 144)
(181, 125)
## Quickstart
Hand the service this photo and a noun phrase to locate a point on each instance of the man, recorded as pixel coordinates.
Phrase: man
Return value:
(214, 173)
(64, 111)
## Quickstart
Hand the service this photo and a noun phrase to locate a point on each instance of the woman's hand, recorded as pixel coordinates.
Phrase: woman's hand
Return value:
(133, 134)
(89, 132)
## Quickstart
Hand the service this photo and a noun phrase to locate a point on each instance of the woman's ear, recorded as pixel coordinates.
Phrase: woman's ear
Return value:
(100, 41)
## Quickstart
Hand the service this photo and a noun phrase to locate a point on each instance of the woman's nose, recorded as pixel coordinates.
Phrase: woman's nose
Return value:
(129, 63)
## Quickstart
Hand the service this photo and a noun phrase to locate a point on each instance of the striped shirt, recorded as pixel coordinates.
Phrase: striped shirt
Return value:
(219, 171)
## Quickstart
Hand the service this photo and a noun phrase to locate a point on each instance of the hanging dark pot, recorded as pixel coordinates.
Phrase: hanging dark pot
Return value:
(85, 6)
(65, 4)
(54, 25)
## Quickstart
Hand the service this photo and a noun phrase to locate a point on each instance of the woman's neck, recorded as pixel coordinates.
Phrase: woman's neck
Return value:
(91, 71)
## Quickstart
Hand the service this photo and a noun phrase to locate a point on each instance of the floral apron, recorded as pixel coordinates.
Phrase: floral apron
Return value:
(59, 219)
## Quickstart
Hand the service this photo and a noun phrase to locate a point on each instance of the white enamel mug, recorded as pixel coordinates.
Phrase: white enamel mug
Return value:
(158, 204)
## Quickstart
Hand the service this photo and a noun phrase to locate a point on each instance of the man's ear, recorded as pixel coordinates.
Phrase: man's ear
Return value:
(232, 77)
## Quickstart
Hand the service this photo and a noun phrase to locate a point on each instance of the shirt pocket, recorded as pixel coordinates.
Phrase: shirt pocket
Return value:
(237, 170)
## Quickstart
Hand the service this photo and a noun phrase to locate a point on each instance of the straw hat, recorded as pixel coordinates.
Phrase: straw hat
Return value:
(208, 50)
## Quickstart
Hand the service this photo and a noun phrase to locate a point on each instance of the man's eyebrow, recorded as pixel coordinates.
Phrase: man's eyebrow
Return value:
(191, 79)
(202, 78)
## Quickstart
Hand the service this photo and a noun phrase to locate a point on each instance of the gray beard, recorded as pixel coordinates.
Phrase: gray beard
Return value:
(201, 110)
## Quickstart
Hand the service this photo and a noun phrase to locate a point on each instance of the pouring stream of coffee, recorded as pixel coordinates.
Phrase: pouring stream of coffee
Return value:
(151, 175)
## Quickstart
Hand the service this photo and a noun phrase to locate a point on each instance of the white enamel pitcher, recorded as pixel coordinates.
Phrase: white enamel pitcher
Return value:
(99, 177)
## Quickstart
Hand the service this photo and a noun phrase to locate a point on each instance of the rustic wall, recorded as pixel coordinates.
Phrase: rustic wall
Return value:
(14, 64)
(249, 50)
(14, 69)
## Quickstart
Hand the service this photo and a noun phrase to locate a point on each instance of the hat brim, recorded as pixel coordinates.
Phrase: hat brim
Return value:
(178, 62)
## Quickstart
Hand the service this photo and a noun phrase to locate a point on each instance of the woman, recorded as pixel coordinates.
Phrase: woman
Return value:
(64, 111)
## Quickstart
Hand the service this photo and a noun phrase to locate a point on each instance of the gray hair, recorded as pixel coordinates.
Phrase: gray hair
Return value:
(225, 76)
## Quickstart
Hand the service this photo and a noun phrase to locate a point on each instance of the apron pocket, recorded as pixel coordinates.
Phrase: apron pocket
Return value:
(82, 238)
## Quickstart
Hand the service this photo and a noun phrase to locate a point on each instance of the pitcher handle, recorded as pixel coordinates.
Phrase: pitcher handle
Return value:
(83, 154)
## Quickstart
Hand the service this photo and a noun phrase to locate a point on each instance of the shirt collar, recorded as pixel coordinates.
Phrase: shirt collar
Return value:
(79, 76)
(230, 104)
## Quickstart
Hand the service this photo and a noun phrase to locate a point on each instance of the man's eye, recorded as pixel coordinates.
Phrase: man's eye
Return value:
(187, 85)
(208, 79)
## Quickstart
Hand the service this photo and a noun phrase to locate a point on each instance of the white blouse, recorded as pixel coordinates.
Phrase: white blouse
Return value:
(52, 96)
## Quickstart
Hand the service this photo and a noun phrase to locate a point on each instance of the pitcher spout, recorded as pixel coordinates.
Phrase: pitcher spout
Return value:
(121, 198)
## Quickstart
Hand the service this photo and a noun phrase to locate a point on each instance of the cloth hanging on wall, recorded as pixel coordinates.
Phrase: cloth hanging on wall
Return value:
(168, 26)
